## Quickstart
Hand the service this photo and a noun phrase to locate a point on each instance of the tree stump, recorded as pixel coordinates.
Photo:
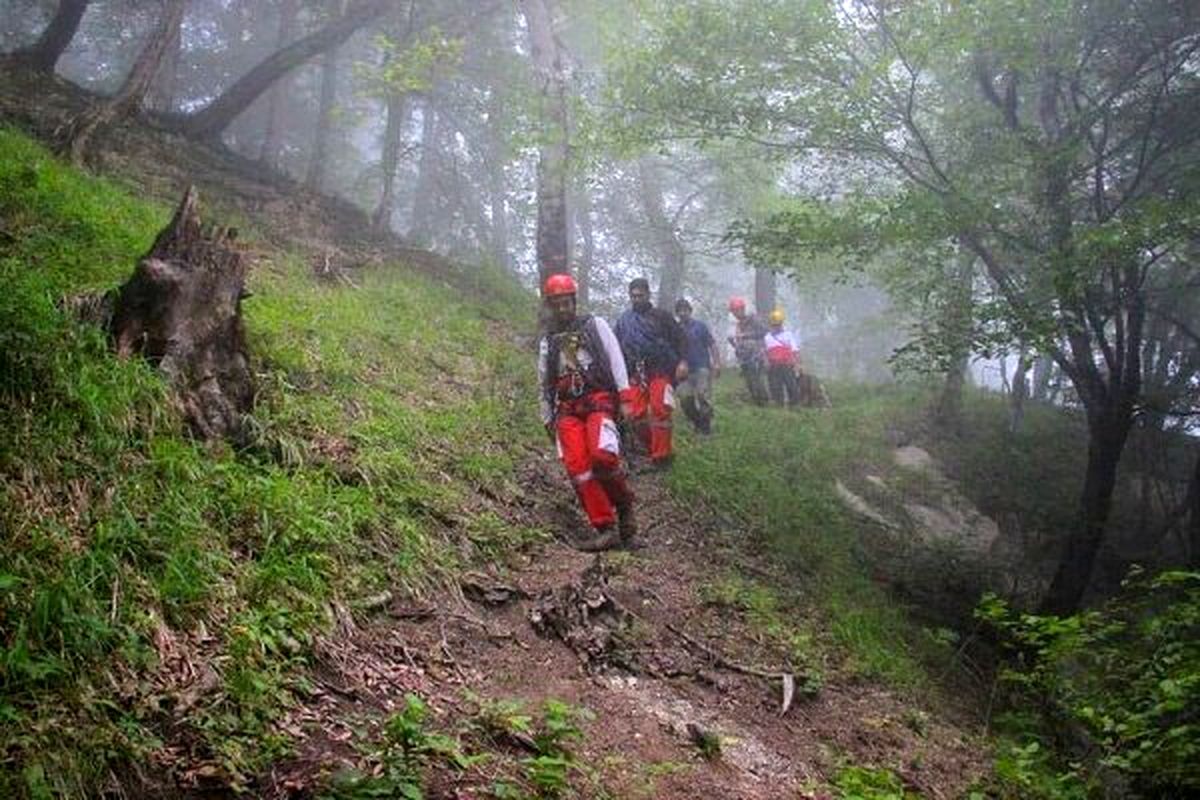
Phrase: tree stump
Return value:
(181, 310)
(811, 390)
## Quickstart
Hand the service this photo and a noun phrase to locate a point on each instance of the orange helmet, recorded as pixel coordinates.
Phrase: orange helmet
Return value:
(737, 304)
(558, 284)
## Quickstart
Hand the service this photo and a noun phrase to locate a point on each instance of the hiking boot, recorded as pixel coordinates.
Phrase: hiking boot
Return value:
(627, 525)
(601, 539)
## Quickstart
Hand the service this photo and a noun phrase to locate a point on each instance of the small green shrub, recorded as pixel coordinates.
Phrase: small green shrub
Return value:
(864, 783)
(1124, 680)
(408, 748)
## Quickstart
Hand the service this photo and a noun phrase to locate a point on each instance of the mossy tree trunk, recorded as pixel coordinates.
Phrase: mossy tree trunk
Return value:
(181, 310)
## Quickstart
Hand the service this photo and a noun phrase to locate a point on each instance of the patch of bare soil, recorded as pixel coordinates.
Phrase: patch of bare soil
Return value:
(668, 677)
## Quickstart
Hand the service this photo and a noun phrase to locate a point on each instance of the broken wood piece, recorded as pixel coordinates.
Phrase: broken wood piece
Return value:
(181, 311)
(789, 692)
(482, 589)
(376, 601)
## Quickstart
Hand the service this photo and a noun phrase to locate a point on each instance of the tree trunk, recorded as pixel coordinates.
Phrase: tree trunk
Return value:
(214, 118)
(1020, 392)
(498, 156)
(1109, 398)
(162, 89)
(1193, 503)
(272, 142)
(318, 169)
(44, 54)
(181, 310)
(587, 253)
(955, 321)
(947, 411)
(498, 205)
(1106, 440)
(674, 258)
(393, 138)
(553, 242)
(1043, 372)
(131, 94)
(764, 291)
(421, 222)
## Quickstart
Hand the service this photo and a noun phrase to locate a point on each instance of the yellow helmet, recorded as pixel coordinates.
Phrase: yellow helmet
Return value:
(776, 317)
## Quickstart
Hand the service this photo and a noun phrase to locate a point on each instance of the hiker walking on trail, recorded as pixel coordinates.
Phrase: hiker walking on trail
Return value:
(583, 381)
(783, 362)
(747, 341)
(704, 365)
(653, 345)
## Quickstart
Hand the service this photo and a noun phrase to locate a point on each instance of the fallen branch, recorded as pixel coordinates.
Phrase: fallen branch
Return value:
(720, 659)
(787, 679)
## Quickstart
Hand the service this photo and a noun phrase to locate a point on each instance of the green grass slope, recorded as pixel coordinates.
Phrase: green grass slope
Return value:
(379, 408)
(774, 469)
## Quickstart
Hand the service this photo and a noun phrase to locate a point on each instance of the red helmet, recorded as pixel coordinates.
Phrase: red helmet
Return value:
(737, 304)
(558, 284)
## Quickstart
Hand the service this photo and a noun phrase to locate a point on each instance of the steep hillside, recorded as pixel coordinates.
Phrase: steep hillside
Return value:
(368, 598)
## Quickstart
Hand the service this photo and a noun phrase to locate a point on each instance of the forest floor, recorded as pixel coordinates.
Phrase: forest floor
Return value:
(656, 656)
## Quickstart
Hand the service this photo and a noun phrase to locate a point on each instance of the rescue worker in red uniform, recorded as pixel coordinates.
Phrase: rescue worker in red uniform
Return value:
(783, 362)
(583, 379)
(654, 346)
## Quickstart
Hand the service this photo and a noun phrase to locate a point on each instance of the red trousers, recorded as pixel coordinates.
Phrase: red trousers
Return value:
(651, 416)
(590, 448)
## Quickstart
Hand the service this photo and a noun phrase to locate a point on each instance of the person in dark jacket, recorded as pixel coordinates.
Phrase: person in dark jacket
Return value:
(704, 365)
(653, 344)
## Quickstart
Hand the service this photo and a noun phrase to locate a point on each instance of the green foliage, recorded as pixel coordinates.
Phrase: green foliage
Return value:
(547, 772)
(122, 540)
(1126, 676)
(936, 118)
(408, 748)
(1033, 771)
(864, 783)
(411, 65)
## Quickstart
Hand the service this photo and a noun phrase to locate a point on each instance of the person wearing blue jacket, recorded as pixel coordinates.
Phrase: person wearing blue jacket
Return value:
(653, 345)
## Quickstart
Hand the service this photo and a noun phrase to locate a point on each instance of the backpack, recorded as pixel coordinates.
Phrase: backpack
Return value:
(582, 335)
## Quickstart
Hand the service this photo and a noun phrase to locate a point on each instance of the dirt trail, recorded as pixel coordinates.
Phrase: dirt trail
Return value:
(653, 693)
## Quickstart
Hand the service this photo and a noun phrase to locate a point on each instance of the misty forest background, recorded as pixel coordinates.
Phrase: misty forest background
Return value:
(982, 220)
